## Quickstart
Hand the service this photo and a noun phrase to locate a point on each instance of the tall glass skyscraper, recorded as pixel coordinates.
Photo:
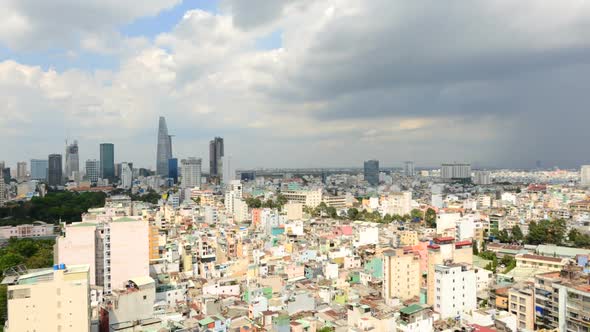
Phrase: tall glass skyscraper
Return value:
(107, 161)
(173, 169)
(215, 159)
(39, 169)
(372, 172)
(164, 152)
(54, 170)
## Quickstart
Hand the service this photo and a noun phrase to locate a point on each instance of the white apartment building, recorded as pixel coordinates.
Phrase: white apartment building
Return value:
(482, 177)
(233, 193)
(190, 170)
(309, 198)
(126, 176)
(585, 175)
(450, 171)
(36, 229)
(116, 250)
(398, 203)
(52, 300)
(455, 290)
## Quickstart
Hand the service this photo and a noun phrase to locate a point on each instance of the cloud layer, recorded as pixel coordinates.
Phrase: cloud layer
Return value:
(494, 82)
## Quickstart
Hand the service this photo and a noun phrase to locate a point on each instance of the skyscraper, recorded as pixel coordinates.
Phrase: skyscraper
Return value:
(92, 170)
(191, 172)
(409, 168)
(126, 175)
(107, 161)
(455, 171)
(6, 174)
(54, 170)
(173, 169)
(21, 170)
(2, 192)
(39, 169)
(372, 172)
(164, 152)
(585, 175)
(215, 159)
(72, 161)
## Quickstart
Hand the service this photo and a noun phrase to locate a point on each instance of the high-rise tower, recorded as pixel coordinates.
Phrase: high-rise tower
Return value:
(107, 161)
(54, 171)
(72, 160)
(215, 159)
(164, 152)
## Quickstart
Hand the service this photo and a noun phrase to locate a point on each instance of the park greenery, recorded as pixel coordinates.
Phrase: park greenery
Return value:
(507, 263)
(577, 239)
(256, 202)
(54, 206)
(149, 197)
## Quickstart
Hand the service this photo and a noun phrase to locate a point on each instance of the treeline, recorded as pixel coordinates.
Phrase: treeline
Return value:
(544, 231)
(65, 205)
(255, 202)
(149, 197)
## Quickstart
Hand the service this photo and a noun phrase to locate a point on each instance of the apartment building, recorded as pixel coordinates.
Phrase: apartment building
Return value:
(36, 229)
(52, 300)
(521, 304)
(562, 300)
(309, 198)
(455, 290)
(116, 250)
(541, 262)
(444, 250)
(401, 275)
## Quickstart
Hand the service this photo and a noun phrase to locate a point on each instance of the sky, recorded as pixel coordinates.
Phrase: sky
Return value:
(299, 83)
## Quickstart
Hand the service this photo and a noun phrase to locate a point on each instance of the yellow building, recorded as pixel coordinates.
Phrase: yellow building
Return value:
(401, 275)
(442, 251)
(55, 300)
(154, 242)
(408, 238)
(521, 304)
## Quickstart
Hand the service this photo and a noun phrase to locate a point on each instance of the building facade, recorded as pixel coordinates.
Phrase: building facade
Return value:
(371, 172)
(455, 171)
(216, 153)
(53, 300)
(190, 170)
(164, 149)
(21, 171)
(107, 161)
(455, 290)
(92, 170)
(54, 170)
(39, 169)
(401, 275)
(72, 170)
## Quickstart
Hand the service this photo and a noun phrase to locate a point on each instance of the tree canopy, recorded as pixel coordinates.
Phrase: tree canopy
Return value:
(65, 205)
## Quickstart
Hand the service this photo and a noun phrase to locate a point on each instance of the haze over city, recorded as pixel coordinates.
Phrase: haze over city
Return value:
(299, 83)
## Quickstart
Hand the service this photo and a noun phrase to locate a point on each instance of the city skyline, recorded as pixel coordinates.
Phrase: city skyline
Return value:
(492, 96)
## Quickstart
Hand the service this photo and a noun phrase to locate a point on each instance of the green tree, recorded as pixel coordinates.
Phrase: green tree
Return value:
(430, 218)
(416, 214)
(517, 234)
(332, 212)
(353, 213)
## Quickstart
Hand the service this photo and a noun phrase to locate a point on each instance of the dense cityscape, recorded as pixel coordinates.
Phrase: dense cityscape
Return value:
(110, 247)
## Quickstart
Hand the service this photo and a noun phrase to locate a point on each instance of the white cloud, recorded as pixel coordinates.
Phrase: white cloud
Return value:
(36, 25)
(352, 80)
